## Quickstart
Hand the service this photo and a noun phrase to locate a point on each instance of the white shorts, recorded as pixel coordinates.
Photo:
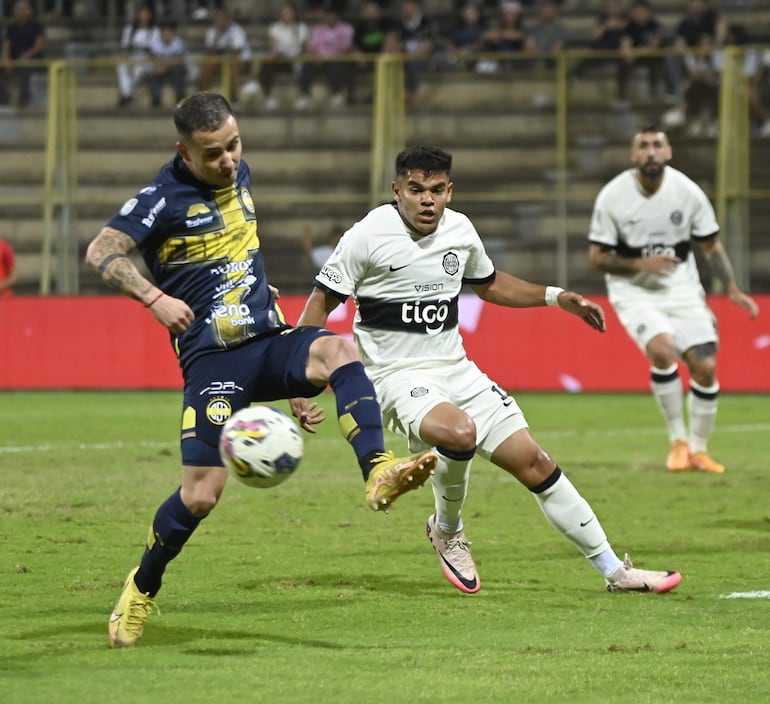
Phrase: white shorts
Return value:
(692, 324)
(407, 396)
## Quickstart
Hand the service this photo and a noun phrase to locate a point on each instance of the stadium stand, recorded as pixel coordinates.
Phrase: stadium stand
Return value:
(310, 166)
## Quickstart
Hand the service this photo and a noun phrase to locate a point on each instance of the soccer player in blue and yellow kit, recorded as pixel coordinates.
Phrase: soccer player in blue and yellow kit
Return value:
(196, 228)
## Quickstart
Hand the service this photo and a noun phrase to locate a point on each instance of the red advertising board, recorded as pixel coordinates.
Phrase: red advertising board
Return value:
(114, 343)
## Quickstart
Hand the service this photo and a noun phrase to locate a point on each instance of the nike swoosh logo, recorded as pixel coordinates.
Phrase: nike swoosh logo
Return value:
(115, 617)
(398, 268)
(469, 583)
(583, 525)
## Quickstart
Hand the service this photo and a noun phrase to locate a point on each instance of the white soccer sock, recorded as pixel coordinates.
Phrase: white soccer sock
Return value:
(568, 512)
(667, 391)
(450, 487)
(702, 402)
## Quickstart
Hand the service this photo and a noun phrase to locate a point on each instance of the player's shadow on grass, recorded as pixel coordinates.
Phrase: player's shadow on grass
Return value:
(161, 634)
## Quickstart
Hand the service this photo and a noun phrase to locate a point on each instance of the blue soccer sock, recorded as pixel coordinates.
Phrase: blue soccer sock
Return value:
(172, 526)
(358, 412)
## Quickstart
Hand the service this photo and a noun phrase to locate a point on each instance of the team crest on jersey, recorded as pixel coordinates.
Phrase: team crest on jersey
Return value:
(676, 217)
(451, 263)
(418, 391)
(219, 410)
(197, 209)
(247, 200)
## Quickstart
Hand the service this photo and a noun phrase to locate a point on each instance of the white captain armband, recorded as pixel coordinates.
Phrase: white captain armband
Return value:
(552, 295)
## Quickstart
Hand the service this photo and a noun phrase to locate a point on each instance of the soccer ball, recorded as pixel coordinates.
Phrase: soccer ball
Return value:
(260, 446)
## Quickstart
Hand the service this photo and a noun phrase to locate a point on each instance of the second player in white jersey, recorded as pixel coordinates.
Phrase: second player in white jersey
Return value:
(644, 224)
(639, 224)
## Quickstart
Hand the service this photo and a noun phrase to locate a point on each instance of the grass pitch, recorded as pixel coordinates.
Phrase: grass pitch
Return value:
(301, 594)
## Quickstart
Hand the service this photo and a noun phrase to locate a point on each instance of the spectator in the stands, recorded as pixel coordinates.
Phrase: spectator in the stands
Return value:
(550, 34)
(697, 28)
(699, 108)
(329, 40)
(226, 45)
(642, 32)
(135, 41)
(288, 37)
(417, 37)
(506, 34)
(608, 36)
(169, 56)
(23, 40)
(373, 34)
(466, 36)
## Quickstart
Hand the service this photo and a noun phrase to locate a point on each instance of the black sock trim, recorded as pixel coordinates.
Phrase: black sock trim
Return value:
(705, 395)
(552, 478)
(458, 455)
(659, 378)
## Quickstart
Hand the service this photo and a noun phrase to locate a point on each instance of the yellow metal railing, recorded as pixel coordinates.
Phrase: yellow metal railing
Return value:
(732, 162)
(388, 125)
(60, 185)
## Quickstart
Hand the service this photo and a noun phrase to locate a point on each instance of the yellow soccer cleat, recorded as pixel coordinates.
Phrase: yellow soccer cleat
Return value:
(392, 476)
(678, 459)
(128, 617)
(703, 463)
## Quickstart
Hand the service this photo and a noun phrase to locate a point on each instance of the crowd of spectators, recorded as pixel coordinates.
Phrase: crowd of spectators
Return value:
(323, 49)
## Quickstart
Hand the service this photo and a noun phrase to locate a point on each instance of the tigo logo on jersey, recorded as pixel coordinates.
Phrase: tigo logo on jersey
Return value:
(219, 410)
(432, 315)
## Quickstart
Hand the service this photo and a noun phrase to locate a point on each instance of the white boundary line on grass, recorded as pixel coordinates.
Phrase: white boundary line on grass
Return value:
(120, 444)
(745, 428)
(745, 595)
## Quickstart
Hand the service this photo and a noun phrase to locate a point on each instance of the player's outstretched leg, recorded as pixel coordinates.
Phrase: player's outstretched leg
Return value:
(391, 476)
(454, 556)
(630, 579)
(127, 619)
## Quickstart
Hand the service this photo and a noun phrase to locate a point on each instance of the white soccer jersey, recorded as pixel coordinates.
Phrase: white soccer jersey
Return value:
(406, 287)
(638, 224)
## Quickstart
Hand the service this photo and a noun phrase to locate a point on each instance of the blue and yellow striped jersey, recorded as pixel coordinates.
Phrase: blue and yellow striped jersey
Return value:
(201, 245)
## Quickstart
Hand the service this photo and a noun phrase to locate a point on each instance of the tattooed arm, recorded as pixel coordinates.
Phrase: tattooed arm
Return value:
(722, 269)
(108, 256)
(608, 261)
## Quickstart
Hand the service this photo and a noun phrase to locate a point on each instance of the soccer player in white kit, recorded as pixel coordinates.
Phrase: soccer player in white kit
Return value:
(405, 264)
(644, 223)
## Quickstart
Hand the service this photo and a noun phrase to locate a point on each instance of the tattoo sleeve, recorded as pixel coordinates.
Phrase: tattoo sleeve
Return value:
(108, 255)
(721, 267)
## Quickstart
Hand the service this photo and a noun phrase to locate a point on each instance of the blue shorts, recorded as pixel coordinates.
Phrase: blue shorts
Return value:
(216, 385)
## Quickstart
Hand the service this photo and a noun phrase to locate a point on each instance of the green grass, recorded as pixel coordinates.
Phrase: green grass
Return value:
(302, 594)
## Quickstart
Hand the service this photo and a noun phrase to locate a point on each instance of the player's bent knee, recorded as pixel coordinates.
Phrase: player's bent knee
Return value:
(202, 487)
(462, 435)
(333, 351)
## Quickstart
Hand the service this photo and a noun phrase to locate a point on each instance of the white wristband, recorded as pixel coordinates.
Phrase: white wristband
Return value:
(552, 295)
